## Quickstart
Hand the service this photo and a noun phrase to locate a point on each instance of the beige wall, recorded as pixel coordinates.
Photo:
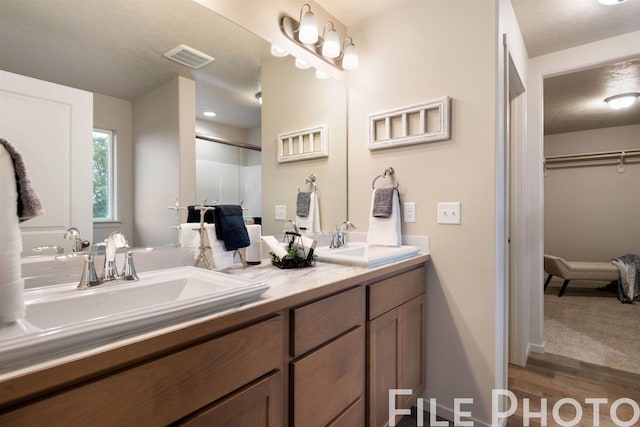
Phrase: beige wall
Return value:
(418, 52)
(592, 213)
(294, 99)
(164, 158)
(115, 114)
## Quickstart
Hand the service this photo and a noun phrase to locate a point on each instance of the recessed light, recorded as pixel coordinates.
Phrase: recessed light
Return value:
(209, 114)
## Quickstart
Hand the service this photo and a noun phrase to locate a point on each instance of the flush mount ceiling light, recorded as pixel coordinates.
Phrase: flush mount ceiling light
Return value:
(611, 2)
(209, 114)
(622, 100)
(327, 47)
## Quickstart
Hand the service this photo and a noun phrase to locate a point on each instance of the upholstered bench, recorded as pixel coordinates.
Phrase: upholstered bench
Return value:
(578, 270)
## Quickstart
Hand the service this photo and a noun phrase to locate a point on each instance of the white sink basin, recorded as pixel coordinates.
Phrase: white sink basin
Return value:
(361, 255)
(63, 318)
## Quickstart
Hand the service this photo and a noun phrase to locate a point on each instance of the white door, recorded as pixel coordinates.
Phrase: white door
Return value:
(51, 127)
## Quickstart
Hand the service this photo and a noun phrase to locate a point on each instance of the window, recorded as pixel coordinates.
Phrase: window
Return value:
(103, 175)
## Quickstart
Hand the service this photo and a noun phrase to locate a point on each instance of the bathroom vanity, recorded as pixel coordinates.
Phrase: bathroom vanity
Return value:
(321, 347)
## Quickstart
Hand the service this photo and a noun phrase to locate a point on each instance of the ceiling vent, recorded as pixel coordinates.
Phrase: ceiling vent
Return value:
(188, 56)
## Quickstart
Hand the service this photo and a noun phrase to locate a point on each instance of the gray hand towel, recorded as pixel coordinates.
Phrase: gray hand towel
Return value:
(382, 202)
(29, 205)
(302, 203)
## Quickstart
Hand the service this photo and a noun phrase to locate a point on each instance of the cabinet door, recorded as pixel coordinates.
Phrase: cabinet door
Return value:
(257, 405)
(395, 358)
(412, 360)
(327, 381)
(384, 339)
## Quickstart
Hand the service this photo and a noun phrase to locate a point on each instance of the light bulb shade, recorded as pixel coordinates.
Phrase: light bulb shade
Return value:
(610, 2)
(350, 60)
(303, 65)
(331, 44)
(623, 100)
(321, 75)
(278, 51)
(308, 31)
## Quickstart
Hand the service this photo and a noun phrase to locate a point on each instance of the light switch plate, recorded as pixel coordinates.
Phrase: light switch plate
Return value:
(409, 211)
(449, 213)
(280, 213)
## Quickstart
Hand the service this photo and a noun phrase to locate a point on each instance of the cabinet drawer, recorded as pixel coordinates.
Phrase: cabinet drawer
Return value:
(258, 404)
(314, 324)
(390, 293)
(166, 389)
(326, 381)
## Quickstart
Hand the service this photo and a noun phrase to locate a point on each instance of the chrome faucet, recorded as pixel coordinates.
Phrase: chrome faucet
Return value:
(115, 241)
(339, 237)
(78, 244)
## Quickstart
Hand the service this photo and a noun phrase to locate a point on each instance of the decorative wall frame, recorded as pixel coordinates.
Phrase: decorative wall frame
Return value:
(310, 143)
(426, 122)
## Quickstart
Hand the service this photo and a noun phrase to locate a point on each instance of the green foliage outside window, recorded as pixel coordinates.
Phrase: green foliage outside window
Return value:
(101, 175)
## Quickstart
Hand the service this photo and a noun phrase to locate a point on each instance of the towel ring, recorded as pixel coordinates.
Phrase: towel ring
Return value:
(388, 172)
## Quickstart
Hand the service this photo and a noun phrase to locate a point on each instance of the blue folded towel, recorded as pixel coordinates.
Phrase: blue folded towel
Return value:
(230, 227)
(193, 214)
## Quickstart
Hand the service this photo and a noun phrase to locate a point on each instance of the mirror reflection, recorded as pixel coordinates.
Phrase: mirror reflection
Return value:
(115, 49)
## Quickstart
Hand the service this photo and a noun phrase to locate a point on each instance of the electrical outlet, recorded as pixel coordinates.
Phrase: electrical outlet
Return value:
(280, 212)
(449, 213)
(409, 211)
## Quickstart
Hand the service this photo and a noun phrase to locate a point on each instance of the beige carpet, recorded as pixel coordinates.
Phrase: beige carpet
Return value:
(592, 326)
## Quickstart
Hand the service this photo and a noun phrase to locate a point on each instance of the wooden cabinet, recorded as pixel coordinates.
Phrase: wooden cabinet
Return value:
(327, 360)
(396, 343)
(328, 378)
(166, 389)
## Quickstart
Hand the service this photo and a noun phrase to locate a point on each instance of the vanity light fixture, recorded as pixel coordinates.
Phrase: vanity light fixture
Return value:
(209, 114)
(350, 60)
(303, 65)
(622, 100)
(259, 97)
(321, 75)
(308, 28)
(327, 47)
(330, 42)
(611, 2)
(278, 51)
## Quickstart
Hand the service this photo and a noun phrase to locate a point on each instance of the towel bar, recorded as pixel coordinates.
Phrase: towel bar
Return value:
(388, 172)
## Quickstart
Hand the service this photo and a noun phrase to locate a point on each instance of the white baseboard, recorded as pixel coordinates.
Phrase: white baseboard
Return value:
(535, 348)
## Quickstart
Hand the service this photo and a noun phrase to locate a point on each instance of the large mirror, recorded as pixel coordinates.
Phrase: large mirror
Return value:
(116, 50)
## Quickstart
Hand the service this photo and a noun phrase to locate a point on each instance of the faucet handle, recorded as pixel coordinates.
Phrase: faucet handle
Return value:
(129, 271)
(89, 277)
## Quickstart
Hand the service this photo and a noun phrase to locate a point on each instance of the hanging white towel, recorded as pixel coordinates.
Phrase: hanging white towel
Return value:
(253, 253)
(219, 257)
(311, 223)
(385, 231)
(11, 284)
(189, 234)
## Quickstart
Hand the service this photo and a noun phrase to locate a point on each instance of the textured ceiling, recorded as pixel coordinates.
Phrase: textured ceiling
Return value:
(575, 101)
(551, 25)
(116, 47)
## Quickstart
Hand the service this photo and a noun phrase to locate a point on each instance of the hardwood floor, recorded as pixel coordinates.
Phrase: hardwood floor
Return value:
(555, 377)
